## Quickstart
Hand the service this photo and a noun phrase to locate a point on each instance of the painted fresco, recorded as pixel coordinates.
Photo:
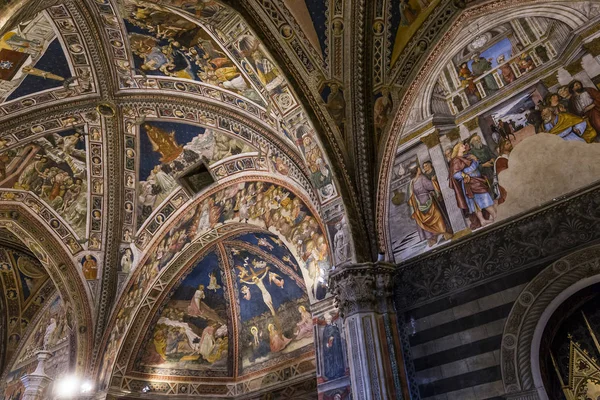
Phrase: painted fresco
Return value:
(26, 289)
(407, 17)
(320, 172)
(52, 329)
(317, 9)
(14, 388)
(166, 44)
(516, 154)
(55, 317)
(273, 304)
(167, 149)
(191, 331)
(32, 59)
(261, 204)
(54, 167)
(267, 298)
(331, 348)
(492, 61)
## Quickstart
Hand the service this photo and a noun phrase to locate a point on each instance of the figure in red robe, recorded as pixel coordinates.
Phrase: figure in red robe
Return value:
(585, 101)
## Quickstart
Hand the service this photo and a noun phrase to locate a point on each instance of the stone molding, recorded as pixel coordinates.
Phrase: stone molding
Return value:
(359, 288)
(523, 396)
(526, 314)
(511, 246)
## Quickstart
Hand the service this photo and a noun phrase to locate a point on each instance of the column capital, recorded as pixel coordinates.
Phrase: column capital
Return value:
(365, 287)
(37, 382)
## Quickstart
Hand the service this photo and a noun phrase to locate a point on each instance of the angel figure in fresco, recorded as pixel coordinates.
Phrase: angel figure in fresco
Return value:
(197, 307)
(256, 278)
(264, 243)
(305, 325)
(277, 340)
(276, 279)
(213, 285)
(246, 292)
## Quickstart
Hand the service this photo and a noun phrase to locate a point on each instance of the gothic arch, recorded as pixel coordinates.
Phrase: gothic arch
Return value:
(415, 100)
(63, 270)
(530, 313)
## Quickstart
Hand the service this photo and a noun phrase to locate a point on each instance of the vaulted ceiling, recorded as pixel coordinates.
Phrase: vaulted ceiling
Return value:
(150, 147)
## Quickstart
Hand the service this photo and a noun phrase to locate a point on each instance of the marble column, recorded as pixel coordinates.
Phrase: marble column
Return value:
(438, 160)
(363, 295)
(37, 382)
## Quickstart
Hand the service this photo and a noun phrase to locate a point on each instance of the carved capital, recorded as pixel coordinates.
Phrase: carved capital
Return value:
(431, 140)
(472, 124)
(362, 287)
(453, 134)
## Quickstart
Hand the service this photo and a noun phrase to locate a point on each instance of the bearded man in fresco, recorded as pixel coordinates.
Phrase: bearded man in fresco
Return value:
(423, 199)
(484, 156)
(586, 102)
(480, 66)
(470, 187)
(567, 126)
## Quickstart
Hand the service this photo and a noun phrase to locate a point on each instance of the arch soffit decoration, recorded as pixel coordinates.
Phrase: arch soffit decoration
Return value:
(269, 116)
(532, 310)
(61, 267)
(427, 68)
(31, 329)
(215, 240)
(267, 125)
(184, 259)
(105, 88)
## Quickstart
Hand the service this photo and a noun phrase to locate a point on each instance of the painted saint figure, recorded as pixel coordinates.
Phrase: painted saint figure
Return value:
(423, 199)
(481, 66)
(567, 126)
(333, 357)
(277, 340)
(255, 278)
(586, 102)
(197, 308)
(90, 267)
(305, 325)
(470, 187)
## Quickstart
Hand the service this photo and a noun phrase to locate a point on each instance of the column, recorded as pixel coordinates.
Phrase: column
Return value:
(438, 160)
(37, 382)
(363, 294)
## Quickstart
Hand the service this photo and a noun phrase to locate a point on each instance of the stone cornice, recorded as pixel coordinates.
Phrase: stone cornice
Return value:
(522, 242)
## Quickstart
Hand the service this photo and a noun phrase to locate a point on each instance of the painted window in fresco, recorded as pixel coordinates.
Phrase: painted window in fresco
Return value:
(524, 131)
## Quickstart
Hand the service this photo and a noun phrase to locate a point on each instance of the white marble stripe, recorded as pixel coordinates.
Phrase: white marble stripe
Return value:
(467, 309)
(459, 367)
(458, 339)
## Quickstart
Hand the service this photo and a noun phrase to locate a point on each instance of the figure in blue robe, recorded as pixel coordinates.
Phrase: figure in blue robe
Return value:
(333, 357)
